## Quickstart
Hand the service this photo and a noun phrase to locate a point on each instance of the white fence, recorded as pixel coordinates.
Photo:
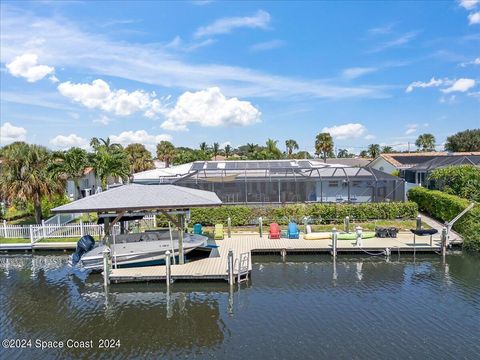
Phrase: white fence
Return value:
(63, 230)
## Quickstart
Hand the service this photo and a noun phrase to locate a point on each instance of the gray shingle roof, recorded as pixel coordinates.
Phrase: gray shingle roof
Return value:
(142, 197)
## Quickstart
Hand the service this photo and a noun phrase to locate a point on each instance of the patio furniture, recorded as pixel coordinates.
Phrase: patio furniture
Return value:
(197, 229)
(293, 232)
(274, 232)
(218, 232)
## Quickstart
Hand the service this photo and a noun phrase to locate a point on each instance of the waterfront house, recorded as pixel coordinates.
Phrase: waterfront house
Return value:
(281, 181)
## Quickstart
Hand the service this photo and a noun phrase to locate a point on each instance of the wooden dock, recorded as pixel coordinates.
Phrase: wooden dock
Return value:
(215, 266)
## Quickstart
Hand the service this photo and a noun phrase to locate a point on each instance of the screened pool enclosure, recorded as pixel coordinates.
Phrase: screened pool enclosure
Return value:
(281, 181)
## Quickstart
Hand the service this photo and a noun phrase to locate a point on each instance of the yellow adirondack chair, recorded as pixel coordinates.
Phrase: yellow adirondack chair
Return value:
(218, 233)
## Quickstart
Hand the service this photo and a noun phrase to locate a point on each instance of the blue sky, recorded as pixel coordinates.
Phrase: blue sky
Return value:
(238, 72)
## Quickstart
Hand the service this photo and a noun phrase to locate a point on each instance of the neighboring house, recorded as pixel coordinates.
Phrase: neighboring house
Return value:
(390, 163)
(418, 174)
(281, 181)
(89, 184)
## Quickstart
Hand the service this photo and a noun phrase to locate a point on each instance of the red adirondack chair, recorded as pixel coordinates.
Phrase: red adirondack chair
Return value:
(274, 231)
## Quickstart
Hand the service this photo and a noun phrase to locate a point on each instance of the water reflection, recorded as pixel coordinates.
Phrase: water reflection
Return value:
(407, 300)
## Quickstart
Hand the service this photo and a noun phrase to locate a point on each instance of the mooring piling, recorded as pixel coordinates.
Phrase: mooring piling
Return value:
(106, 266)
(231, 277)
(334, 242)
(168, 268)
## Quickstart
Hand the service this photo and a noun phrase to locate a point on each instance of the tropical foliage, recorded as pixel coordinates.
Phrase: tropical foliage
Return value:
(460, 180)
(324, 145)
(70, 164)
(108, 160)
(139, 158)
(165, 152)
(425, 142)
(468, 140)
(25, 175)
(291, 145)
(373, 150)
(444, 207)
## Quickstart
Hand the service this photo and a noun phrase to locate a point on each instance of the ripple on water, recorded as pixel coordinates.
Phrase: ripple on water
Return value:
(304, 307)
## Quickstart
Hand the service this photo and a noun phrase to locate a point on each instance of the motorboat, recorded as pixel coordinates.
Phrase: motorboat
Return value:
(133, 250)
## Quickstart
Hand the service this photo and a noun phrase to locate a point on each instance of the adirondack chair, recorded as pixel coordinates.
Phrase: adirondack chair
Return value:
(293, 232)
(274, 232)
(197, 229)
(218, 233)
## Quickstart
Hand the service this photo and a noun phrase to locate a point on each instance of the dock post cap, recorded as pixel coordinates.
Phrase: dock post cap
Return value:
(106, 250)
(167, 252)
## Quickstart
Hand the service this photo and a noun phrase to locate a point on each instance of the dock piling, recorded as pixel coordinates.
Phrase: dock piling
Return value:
(231, 277)
(260, 225)
(334, 242)
(106, 266)
(168, 270)
(284, 254)
(358, 232)
(346, 224)
(419, 222)
(229, 227)
(444, 240)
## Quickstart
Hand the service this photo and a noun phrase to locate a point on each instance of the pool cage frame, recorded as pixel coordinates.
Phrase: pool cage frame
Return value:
(290, 181)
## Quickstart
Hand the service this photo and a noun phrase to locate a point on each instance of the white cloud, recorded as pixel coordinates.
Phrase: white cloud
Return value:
(460, 85)
(26, 66)
(225, 25)
(355, 72)
(178, 44)
(469, 4)
(139, 136)
(267, 45)
(411, 129)
(222, 145)
(370, 137)
(10, 133)
(210, 108)
(474, 18)
(420, 84)
(346, 131)
(64, 142)
(66, 45)
(53, 79)
(476, 61)
(382, 30)
(398, 41)
(104, 120)
(98, 95)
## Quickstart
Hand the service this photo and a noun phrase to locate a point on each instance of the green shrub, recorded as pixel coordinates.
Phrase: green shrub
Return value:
(320, 213)
(444, 207)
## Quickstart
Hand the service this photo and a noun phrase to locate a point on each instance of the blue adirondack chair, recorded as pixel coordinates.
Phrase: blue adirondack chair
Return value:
(197, 229)
(293, 232)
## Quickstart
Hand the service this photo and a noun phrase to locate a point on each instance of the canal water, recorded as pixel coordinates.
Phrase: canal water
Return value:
(306, 307)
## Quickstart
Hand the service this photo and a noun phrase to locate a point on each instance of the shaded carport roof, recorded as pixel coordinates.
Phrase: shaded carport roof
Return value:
(136, 197)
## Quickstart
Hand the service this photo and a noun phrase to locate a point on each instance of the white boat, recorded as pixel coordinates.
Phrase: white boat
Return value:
(134, 250)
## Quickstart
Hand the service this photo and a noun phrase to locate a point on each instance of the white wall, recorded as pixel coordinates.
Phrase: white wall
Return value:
(382, 165)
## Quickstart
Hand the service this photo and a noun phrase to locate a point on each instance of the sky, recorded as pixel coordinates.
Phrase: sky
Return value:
(238, 72)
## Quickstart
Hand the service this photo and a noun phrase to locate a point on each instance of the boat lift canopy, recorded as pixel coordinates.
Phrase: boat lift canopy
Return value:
(133, 199)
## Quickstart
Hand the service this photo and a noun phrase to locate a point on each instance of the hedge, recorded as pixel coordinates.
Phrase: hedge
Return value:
(445, 207)
(320, 213)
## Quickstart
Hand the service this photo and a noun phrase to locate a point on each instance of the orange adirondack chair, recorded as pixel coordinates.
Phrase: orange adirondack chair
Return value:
(274, 231)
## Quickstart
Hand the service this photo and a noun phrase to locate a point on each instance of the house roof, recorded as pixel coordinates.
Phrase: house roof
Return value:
(136, 197)
(408, 160)
(349, 161)
(87, 170)
(443, 161)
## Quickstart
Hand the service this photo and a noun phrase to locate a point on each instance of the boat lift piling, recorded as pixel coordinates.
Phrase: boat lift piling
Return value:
(168, 269)
(334, 242)
(231, 277)
(346, 224)
(106, 267)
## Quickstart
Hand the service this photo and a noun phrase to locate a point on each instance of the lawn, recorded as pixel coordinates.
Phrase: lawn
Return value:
(26, 241)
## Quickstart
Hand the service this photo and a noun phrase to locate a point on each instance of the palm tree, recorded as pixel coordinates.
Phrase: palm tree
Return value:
(25, 175)
(139, 158)
(425, 142)
(363, 153)
(70, 164)
(97, 142)
(165, 152)
(291, 145)
(373, 150)
(228, 150)
(204, 146)
(251, 148)
(343, 153)
(387, 150)
(215, 149)
(272, 151)
(108, 160)
(324, 145)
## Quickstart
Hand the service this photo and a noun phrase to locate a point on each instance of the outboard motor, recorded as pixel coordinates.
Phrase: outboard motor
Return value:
(85, 244)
